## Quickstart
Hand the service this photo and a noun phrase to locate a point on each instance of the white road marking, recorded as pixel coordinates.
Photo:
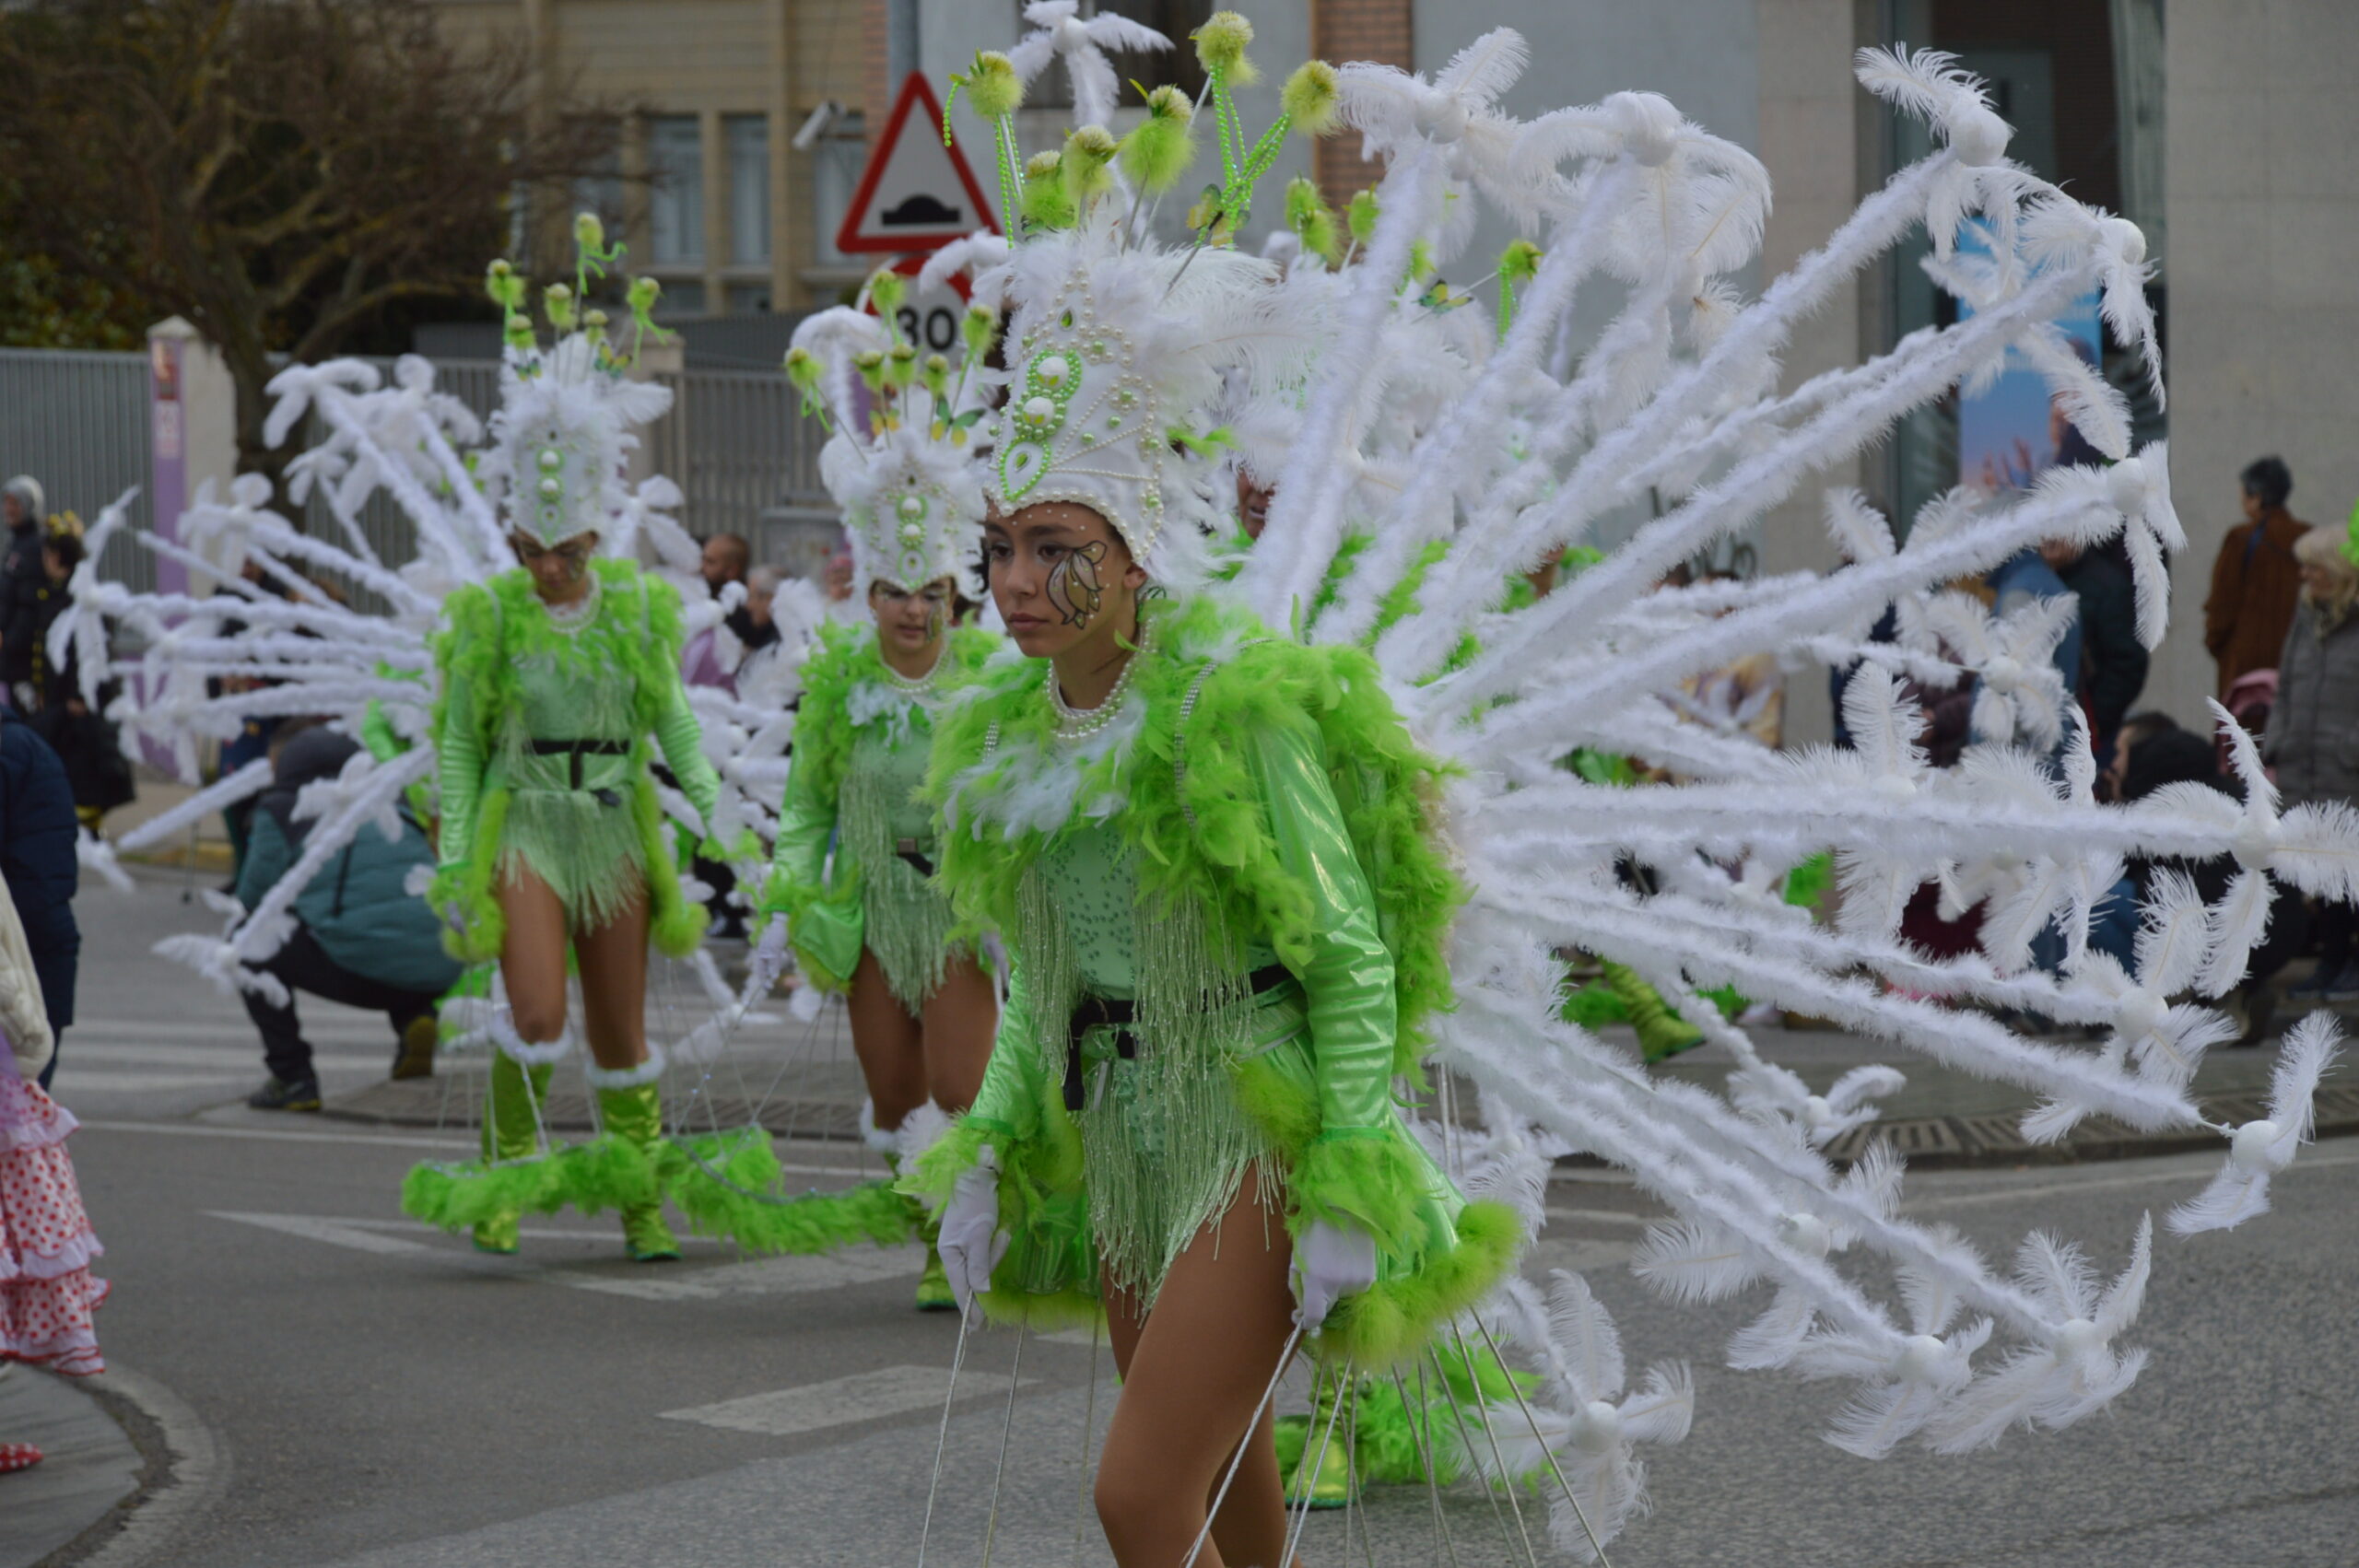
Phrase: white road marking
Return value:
(392, 1140)
(340, 1031)
(767, 1276)
(865, 1396)
(2306, 1162)
(753, 1277)
(73, 1081)
(229, 1058)
(1602, 1217)
(336, 1232)
(274, 1135)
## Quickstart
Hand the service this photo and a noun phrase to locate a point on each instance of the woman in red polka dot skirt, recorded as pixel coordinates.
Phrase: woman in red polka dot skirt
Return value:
(47, 1295)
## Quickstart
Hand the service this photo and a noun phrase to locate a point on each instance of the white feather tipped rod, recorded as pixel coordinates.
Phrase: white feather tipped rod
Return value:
(1979, 1046)
(2069, 503)
(1305, 510)
(1749, 488)
(256, 941)
(1572, 257)
(1535, 1072)
(1690, 397)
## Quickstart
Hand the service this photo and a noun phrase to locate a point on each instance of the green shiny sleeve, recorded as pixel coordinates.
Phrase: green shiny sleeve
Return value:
(458, 758)
(682, 738)
(806, 820)
(1007, 1105)
(1348, 981)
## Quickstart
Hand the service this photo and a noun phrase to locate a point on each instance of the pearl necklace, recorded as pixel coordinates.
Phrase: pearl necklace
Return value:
(914, 685)
(571, 618)
(1080, 723)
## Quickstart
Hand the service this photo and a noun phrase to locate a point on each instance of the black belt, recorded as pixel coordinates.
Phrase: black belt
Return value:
(577, 750)
(1120, 1015)
(914, 851)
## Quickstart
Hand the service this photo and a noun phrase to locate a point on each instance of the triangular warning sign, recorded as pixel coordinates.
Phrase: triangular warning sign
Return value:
(915, 195)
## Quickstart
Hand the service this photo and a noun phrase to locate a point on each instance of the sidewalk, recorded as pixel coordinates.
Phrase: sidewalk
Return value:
(802, 1083)
(88, 1469)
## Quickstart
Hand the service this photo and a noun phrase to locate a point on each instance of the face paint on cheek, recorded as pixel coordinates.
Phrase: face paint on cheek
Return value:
(1074, 589)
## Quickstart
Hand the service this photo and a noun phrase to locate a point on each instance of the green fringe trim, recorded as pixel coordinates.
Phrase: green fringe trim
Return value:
(608, 1172)
(1393, 1321)
(603, 1174)
(1226, 862)
(816, 1222)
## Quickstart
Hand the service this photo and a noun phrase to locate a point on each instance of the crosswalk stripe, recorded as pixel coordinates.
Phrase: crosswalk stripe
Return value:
(751, 1276)
(227, 1057)
(840, 1401)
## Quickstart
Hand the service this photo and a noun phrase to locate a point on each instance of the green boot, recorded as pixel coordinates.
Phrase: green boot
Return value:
(635, 1115)
(1323, 1479)
(1661, 1032)
(511, 1130)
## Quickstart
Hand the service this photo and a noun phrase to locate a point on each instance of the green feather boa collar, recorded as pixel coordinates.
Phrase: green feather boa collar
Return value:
(847, 686)
(1007, 786)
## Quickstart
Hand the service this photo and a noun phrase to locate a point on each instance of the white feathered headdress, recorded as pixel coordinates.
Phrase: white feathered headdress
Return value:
(566, 412)
(899, 462)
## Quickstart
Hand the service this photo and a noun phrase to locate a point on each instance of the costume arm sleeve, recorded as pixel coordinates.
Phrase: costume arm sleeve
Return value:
(459, 771)
(1346, 974)
(1007, 1105)
(806, 820)
(682, 738)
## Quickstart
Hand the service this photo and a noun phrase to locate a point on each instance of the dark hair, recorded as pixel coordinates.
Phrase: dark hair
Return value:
(2269, 479)
(67, 547)
(2175, 757)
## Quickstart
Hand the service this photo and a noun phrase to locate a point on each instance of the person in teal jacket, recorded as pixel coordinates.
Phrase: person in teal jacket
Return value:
(360, 937)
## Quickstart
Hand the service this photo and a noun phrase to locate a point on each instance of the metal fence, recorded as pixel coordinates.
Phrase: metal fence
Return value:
(78, 423)
(733, 443)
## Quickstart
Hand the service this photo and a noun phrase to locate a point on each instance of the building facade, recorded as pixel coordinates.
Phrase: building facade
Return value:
(742, 127)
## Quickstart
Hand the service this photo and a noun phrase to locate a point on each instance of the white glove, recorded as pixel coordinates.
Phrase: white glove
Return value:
(769, 958)
(970, 1241)
(1330, 1263)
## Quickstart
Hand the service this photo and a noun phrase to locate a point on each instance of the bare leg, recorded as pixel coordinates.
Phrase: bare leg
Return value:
(888, 1044)
(1193, 1373)
(614, 986)
(960, 1018)
(531, 961)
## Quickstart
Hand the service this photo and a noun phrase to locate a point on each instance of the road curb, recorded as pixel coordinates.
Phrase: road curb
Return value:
(196, 1474)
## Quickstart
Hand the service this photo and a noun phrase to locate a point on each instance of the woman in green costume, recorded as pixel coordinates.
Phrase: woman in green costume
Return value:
(1210, 850)
(865, 922)
(554, 675)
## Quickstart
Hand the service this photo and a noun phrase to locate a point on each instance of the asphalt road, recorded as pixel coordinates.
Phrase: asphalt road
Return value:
(386, 1397)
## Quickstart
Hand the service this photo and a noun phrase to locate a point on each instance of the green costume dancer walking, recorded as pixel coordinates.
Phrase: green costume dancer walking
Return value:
(865, 921)
(553, 676)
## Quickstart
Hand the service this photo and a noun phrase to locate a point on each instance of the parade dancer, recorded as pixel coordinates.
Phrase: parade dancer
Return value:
(865, 922)
(1212, 854)
(553, 675)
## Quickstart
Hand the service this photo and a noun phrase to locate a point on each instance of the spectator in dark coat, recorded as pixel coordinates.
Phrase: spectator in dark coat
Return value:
(2313, 737)
(37, 837)
(361, 937)
(2173, 755)
(20, 579)
(2255, 577)
(80, 734)
(2113, 661)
